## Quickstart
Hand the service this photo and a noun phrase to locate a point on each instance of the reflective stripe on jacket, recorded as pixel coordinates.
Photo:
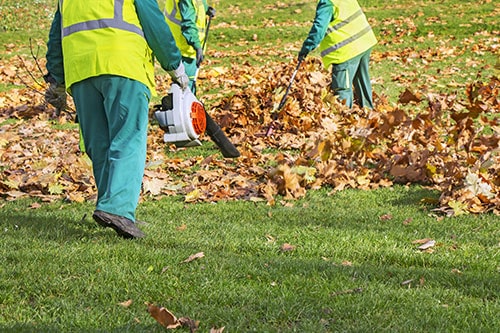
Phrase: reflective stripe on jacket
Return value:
(348, 35)
(104, 37)
(174, 20)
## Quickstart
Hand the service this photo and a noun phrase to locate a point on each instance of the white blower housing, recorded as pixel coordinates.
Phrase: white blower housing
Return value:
(182, 116)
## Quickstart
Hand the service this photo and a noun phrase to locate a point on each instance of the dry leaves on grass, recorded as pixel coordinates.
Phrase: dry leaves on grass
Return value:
(452, 146)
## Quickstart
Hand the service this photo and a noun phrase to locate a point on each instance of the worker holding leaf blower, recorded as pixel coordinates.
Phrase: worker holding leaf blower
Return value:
(345, 39)
(100, 51)
(189, 21)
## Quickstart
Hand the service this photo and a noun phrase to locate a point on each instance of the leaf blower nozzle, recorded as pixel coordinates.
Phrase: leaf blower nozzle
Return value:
(219, 137)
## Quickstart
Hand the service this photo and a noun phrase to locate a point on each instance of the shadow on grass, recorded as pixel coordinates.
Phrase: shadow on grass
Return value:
(54, 225)
(417, 196)
(41, 328)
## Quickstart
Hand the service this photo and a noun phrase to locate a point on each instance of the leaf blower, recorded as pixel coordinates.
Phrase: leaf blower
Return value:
(227, 148)
(182, 116)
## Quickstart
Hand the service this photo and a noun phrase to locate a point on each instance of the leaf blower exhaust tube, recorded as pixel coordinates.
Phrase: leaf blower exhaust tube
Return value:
(219, 137)
(184, 118)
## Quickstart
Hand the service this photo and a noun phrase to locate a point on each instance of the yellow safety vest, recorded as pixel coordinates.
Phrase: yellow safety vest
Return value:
(348, 35)
(104, 37)
(174, 19)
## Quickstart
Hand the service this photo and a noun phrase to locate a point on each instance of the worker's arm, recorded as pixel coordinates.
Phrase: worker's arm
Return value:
(188, 23)
(54, 56)
(324, 15)
(158, 34)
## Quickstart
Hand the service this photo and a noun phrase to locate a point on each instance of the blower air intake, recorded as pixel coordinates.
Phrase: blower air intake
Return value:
(182, 116)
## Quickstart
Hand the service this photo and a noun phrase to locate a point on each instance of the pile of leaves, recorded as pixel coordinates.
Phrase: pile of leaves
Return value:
(450, 144)
(436, 139)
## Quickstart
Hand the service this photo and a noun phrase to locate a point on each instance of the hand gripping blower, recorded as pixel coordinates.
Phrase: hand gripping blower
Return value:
(182, 116)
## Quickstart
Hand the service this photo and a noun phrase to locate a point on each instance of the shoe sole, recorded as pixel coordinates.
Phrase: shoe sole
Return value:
(116, 228)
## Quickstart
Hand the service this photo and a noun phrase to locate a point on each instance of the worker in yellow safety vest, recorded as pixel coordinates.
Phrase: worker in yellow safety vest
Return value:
(345, 40)
(187, 20)
(100, 51)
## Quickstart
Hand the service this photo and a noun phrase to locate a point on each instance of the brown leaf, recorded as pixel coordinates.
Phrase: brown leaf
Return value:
(189, 323)
(217, 330)
(163, 316)
(421, 241)
(407, 96)
(287, 247)
(385, 217)
(126, 304)
(194, 257)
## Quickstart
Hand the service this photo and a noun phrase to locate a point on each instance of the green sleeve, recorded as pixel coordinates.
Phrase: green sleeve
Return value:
(188, 24)
(158, 34)
(324, 15)
(54, 56)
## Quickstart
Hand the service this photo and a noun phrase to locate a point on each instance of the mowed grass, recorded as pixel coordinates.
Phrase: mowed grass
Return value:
(343, 262)
(352, 266)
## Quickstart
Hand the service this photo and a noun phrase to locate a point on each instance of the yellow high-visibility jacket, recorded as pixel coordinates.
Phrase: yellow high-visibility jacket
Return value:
(348, 35)
(184, 41)
(104, 37)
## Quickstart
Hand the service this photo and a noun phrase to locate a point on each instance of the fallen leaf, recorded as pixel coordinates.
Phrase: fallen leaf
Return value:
(385, 217)
(194, 257)
(217, 330)
(287, 247)
(166, 318)
(427, 245)
(421, 241)
(181, 227)
(126, 304)
(406, 282)
(407, 221)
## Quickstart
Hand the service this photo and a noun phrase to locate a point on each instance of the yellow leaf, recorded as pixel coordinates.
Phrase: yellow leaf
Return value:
(193, 196)
(56, 188)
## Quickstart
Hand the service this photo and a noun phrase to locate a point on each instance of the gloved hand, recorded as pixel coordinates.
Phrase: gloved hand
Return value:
(199, 56)
(179, 76)
(211, 12)
(55, 94)
(302, 54)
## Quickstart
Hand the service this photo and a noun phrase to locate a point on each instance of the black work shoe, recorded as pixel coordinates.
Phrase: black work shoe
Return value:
(122, 225)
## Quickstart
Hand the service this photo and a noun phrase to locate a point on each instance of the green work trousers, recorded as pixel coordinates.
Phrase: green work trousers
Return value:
(353, 74)
(113, 116)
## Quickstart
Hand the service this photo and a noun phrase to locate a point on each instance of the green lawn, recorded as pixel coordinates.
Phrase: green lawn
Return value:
(352, 266)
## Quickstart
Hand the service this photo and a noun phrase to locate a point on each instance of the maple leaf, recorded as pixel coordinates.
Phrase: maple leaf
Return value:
(459, 208)
(153, 186)
(56, 188)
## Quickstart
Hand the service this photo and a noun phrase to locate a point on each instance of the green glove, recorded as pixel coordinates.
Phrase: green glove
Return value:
(303, 54)
(199, 56)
